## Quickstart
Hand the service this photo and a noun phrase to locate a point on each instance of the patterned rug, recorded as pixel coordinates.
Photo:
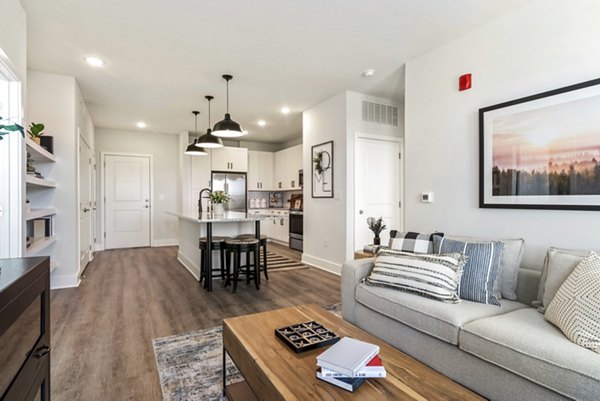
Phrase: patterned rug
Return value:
(190, 365)
(278, 263)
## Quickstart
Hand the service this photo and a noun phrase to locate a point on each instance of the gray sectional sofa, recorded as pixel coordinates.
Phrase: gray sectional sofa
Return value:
(503, 353)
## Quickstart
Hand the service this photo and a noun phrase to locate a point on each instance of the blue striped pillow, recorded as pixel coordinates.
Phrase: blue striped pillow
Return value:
(477, 281)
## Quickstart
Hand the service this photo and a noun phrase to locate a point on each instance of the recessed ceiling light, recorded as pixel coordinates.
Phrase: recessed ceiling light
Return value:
(141, 124)
(94, 61)
(368, 73)
(262, 123)
(285, 110)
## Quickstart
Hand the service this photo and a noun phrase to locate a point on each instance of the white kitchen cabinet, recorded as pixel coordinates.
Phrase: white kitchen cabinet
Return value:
(265, 224)
(200, 175)
(260, 171)
(279, 227)
(288, 163)
(229, 159)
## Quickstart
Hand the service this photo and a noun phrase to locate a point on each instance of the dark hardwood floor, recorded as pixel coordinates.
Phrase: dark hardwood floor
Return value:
(102, 331)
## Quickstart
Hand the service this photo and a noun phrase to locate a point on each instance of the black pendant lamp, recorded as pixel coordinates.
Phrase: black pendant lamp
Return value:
(227, 128)
(208, 140)
(193, 149)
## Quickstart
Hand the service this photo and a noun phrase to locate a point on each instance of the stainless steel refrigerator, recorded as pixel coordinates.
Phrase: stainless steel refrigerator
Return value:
(234, 185)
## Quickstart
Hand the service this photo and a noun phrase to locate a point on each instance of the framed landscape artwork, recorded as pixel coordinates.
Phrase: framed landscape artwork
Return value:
(542, 151)
(322, 170)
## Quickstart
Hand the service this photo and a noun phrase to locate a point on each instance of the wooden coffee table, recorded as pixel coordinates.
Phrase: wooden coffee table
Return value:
(274, 372)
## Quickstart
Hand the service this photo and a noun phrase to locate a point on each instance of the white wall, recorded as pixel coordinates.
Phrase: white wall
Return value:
(329, 223)
(13, 40)
(541, 46)
(165, 151)
(51, 100)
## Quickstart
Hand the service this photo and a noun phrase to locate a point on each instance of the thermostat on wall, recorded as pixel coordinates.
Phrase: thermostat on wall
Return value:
(427, 197)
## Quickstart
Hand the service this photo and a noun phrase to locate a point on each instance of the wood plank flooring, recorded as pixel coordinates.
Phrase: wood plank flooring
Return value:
(102, 331)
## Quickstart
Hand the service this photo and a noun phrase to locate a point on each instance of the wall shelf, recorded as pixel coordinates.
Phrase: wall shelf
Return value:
(39, 213)
(39, 244)
(38, 153)
(39, 182)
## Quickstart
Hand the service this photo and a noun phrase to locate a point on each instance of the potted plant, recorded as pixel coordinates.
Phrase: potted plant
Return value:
(219, 199)
(377, 226)
(6, 129)
(35, 131)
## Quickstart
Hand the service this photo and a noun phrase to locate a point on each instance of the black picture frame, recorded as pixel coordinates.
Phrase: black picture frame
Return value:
(507, 184)
(322, 171)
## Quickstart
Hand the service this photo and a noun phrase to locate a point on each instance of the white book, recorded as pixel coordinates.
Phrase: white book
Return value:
(375, 374)
(348, 356)
(347, 383)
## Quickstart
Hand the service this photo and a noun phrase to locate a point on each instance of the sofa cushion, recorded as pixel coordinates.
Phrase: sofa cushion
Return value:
(559, 263)
(477, 281)
(413, 242)
(575, 309)
(433, 276)
(505, 285)
(524, 343)
(438, 319)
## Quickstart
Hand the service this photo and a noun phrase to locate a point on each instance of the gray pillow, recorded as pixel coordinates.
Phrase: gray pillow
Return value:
(481, 269)
(510, 262)
(558, 265)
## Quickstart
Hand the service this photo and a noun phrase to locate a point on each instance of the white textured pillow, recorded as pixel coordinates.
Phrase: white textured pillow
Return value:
(575, 308)
(432, 276)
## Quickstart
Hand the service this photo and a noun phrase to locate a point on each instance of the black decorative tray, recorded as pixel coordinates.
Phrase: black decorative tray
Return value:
(306, 336)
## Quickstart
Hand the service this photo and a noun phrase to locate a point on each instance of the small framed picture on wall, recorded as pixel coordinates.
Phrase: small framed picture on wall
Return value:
(322, 170)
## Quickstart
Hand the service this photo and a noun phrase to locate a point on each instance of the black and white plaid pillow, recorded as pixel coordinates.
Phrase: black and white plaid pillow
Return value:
(412, 242)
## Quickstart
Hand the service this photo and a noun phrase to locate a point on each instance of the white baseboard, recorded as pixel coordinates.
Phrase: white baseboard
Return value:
(64, 281)
(322, 264)
(165, 242)
(189, 265)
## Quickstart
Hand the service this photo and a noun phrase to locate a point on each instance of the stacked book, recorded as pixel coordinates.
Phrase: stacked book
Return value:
(349, 362)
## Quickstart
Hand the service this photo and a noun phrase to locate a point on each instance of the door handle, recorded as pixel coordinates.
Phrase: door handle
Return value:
(360, 212)
(42, 351)
(147, 206)
(85, 210)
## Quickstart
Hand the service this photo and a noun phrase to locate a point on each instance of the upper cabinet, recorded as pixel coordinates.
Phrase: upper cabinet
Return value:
(288, 163)
(260, 171)
(229, 159)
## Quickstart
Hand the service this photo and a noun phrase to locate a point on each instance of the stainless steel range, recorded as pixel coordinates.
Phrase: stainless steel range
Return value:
(296, 229)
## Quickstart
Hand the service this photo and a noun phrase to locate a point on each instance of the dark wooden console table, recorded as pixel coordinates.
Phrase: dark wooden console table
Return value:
(25, 329)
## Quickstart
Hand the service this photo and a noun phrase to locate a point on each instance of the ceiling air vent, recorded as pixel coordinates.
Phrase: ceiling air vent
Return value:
(380, 113)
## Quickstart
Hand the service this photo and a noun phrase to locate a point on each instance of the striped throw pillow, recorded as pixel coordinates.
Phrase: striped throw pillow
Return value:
(575, 309)
(432, 276)
(481, 269)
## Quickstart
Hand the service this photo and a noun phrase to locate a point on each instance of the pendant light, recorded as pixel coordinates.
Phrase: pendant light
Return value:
(227, 128)
(193, 149)
(208, 140)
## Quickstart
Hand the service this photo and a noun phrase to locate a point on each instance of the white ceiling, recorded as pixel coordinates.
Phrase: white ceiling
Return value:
(163, 56)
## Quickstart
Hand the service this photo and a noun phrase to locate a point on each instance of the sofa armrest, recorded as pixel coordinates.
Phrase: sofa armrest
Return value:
(527, 285)
(353, 271)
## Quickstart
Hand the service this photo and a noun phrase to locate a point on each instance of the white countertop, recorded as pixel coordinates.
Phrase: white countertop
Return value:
(227, 217)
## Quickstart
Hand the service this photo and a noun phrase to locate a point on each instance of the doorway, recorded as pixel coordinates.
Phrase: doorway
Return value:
(127, 202)
(377, 186)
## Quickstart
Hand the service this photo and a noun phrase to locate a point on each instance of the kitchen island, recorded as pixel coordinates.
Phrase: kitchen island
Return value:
(192, 227)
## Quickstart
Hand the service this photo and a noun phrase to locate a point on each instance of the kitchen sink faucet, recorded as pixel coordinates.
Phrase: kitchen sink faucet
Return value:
(200, 200)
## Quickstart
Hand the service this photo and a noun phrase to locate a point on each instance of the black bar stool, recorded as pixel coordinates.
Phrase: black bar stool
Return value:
(218, 244)
(261, 244)
(237, 246)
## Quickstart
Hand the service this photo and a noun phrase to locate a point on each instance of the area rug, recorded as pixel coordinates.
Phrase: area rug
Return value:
(278, 263)
(190, 365)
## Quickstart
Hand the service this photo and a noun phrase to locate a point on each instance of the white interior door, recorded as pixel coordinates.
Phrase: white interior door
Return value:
(377, 179)
(127, 201)
(85, 204)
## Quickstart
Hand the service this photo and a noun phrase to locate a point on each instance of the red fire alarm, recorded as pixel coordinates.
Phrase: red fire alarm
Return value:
(464, 82)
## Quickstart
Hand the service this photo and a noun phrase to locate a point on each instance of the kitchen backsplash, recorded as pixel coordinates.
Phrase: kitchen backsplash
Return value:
(265, 200)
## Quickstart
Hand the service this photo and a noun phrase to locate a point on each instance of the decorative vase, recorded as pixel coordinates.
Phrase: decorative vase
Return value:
(377, 240)
(218, 208)
(37, 140)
